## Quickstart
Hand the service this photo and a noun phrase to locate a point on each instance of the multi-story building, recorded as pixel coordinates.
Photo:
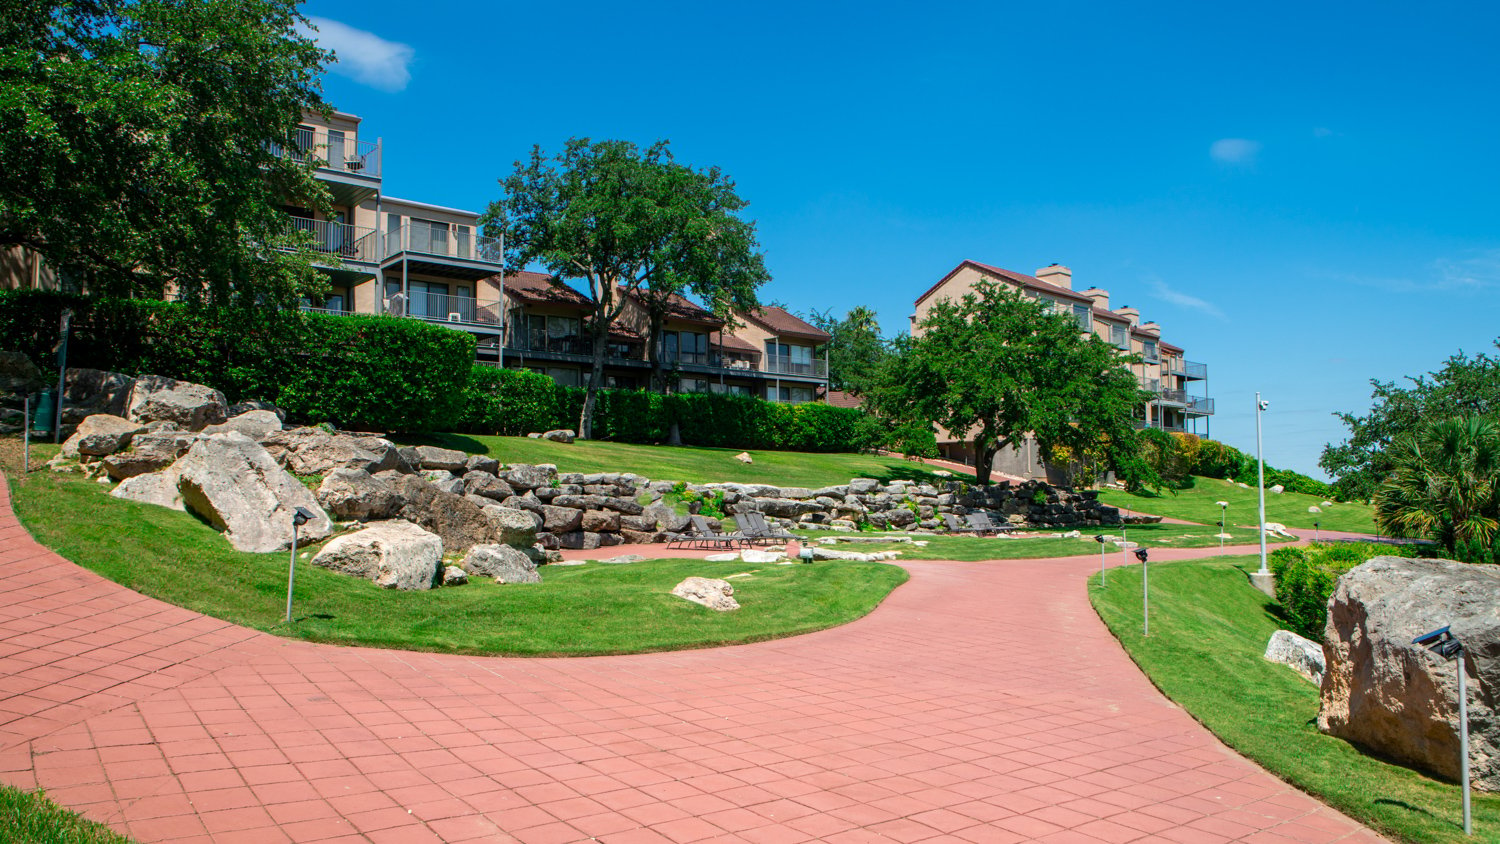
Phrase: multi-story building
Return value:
(1162, 372)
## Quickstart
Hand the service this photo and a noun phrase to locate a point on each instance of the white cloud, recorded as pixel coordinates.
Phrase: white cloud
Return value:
(1474, 271)
(1323, 132)
(1234, 151)
(1163, 291)
(364, 56)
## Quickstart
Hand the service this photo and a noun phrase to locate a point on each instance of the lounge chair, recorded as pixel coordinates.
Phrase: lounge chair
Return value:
(956, 526)
(763, 528)
(982, 525)
(705, 536)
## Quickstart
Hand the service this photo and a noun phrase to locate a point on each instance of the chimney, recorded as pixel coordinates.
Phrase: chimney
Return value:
(1132, 314)
(1100, 297)
(1151, 328)
(1056, 274)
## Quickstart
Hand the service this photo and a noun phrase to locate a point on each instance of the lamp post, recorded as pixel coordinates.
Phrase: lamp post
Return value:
(1443, 643)
(1099, 538)
(300, 517)
(1223, 522)
(1140, 554)
(1260, 475)
(1317, 532)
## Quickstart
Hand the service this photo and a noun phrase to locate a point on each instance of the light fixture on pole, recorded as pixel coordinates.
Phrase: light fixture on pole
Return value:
(1317, 532)
(1140, 554)
(1443, 643)
(300, 517)
(1099, 538)
(1223, 522)
(1260, 475)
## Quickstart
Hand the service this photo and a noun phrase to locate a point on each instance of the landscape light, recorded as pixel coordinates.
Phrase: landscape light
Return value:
(1223, 522)
(1099, 538)
(300, 517)
(1140, 554)
(1443, 643)
(806, 554)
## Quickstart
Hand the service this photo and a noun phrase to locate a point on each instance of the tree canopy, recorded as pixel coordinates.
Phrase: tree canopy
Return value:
(1444, 484)
(139, 143)
(996, 367)
(855, 351)
(1463, 386)
(627, 222)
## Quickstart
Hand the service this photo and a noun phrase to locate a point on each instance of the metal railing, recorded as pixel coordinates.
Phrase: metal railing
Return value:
(440, 307)
(442, 241)
(1173, 366)
(1196, 371)
(1200, 405)
(333, 151)
(326, 311)
(1174, 396)
(348, 243)
(785, 365)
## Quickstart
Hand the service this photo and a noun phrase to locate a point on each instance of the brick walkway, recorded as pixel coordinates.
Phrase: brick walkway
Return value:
(946, 715)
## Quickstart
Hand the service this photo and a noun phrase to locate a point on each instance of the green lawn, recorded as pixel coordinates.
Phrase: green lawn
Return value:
(1198, 504)
(687, 463)
(1031, 547)
(576, 610)
(1208, 631)
(28, 817)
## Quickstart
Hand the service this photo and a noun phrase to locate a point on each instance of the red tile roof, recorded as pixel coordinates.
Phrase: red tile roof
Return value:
(684, 310)
(731, 343)
(778, 321)
(839, 398)
(537, 288)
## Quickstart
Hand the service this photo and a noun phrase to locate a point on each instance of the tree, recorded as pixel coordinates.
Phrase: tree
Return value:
(997, 366)
(625, 221)
(1444, 484)
(140, 144)
(855, 349)
(1464, 385)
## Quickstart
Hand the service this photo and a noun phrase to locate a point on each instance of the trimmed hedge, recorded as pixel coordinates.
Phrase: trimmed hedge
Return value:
(515, 403)
(360, 372)
(1306, 578)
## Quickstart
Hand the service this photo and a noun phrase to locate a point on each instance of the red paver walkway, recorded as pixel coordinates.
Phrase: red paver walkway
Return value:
(979, 703)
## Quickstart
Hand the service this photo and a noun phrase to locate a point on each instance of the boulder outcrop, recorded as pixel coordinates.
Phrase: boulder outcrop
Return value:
(1399, 699)
(100, 435)
(255, 424)
(191, 407)
(356, 494)
(149, 453)
(232, 482)
(394, 554)
(710, 592)
(501, 562)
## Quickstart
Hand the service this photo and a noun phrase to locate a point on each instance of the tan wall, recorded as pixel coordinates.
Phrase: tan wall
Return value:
(22, 269)
(757, 336)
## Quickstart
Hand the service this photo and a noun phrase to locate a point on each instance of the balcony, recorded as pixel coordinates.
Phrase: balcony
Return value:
(1195, 371)
(1200, 406)
(1171, 396)
(784, 365)
(1173, 366)
(441, 251)
(348, 166)
(463, 311)
(343, 243)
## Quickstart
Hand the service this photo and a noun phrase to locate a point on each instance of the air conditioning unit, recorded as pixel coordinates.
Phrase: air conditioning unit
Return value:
(455, 317)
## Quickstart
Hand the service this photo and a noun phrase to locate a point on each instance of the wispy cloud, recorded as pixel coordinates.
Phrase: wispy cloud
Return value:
(364, 56)
(1474, 271)
(1237, 151)
(1166, 293)
(1323, 132)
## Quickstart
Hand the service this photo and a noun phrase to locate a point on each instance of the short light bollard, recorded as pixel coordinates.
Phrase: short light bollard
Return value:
(1099, 538)
(806, 554)
(1140, 554)
(1443, 643)
(1223, 521)
(300, 517)
(26, 436)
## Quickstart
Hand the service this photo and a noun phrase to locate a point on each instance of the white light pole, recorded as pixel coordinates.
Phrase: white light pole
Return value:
(1260, 475)
(1223, 522)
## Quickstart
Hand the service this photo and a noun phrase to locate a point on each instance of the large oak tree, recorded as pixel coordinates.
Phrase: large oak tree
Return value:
(627, 222)
(996, 366)
(140, 143)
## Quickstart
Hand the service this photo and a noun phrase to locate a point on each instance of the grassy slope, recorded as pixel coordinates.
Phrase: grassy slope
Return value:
(576, 610)
(1197, 504)
(972, 548)
(1208, 631)
(685, 463)
(30, 818)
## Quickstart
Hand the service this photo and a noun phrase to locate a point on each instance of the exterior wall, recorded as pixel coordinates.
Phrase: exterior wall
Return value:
(757, 336)
(23, 269)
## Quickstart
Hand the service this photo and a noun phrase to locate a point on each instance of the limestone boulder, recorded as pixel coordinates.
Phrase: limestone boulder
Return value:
(229, 480)
(394, 554)
(480, 482)
(90, 391)
(358, 495)
(240, 408)
(100, 435)
(665, 517)
(560, 436)
(314, 451)
(1302, 655)
(710, 592)
(454, 576)
(19, 376)
(447, 459)
(460, 523)
(255, 424)
(481, 463)
(512, 526)
(601, 521)
(156, 488)
(1399, 699)
(524, 477)
(444, 480)
(149, 453)
(191, 407)
(1276, 489)
(503, 563)
(561, 519)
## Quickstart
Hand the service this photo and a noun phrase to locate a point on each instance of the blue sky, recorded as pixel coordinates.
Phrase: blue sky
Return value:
(1303, 195)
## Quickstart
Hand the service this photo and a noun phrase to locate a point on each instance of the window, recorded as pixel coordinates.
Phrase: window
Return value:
(620, 382)
(552, 334)
(462, 236)
(791, 360)
(565, 377)
(692, 385)
(1119, 337)
(427, 236)
(684, 347)
(729, 389)
(1085, 317)
(795, 395)
(1148, 351)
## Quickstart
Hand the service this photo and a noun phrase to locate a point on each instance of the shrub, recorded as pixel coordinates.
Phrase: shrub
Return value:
(1306, 578)
(1164, 454)
(512, 402)
(380, 373)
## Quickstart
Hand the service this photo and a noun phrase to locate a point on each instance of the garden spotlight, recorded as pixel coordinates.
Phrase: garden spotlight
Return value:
(1443, 643)
(1140, 554)
(1099, 538)
(300, 517)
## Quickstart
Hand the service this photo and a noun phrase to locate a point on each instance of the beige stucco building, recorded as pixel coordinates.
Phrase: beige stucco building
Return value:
(1171, 380)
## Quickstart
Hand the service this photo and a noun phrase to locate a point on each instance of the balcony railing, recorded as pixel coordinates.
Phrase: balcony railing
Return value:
(442, 242)
(1196, 371)
(347, 243)
(333, 151)
(1173, 366)
(1200, 405)
(1173, 396)
(784, 365)
(440, 307)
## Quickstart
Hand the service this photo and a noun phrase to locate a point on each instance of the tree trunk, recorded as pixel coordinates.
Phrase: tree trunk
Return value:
(658, 383)
(984, 458)
(596, 380)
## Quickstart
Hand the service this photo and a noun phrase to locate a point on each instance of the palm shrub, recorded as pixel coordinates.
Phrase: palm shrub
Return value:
(1445, 485)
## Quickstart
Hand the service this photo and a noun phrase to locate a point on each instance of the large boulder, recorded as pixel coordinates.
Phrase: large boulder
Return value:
(511, 525)
(523, 476)
(156, 488)
(448, 459)
(1302, 655)
(394, 554)
(710, 592)
(18, 375)
(356, 494)
(1399, 699)
(90, 391)
(480, 482)
(191, 407)
(314, 451)
(561, 519)
(561, 435)
(100, 435)
(460, 523)
(232, 482)
(255, 424)
(502, 562)
(149, 453)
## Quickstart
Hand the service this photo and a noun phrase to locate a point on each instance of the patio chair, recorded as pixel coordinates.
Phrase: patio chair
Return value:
(765, 529)
(752, 534)
(705, 537)
(956, 526)
(982, 525)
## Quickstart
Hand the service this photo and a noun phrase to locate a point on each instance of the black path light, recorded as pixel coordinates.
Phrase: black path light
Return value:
(300, 517)
(1099, 538)
(1140, 554)
(1443, 643)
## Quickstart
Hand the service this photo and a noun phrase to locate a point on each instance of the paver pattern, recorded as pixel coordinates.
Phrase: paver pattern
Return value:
(980, 703)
